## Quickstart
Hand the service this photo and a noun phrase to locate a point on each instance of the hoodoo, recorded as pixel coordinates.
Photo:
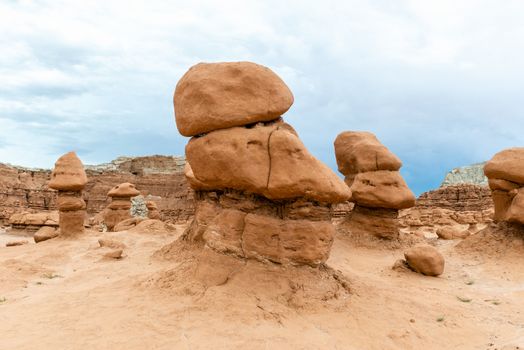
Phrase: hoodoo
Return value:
(119, 208)
(69, 178)
(505, 172)
(372, 173)
(259, 192)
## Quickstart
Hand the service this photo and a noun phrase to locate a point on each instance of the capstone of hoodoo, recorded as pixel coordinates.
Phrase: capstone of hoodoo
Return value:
(69, 178)
(120, 207)
(505, 172)
(378, 190)
(259, 193)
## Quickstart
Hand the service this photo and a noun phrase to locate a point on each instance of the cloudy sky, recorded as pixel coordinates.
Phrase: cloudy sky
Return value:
(439, 82)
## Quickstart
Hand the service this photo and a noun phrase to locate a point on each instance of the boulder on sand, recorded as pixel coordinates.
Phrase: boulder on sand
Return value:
(425, 259)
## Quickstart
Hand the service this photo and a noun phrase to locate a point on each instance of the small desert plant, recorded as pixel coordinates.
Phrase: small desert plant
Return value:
(440, 319)
(470, 282)
(51, 275)
(3, 300)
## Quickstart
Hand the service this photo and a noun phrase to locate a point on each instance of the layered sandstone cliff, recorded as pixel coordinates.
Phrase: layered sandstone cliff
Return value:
(158, 177)
(454, 205)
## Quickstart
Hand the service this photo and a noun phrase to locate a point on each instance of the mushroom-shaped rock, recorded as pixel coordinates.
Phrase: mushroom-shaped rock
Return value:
(69, 178)
(124, 190)
(212, 96)
(425, 259)
(119, 208)
(507, 165)
(259, 193)
(378, 190)
(68, 174)
(361, 151)
(505, 172)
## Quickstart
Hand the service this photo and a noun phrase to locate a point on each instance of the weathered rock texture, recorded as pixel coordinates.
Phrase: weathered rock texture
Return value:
(32, 222)
(425, 259)
(212, 96)
(152, 211)
(379, 191)
(120, 207)
(259, 193)
(158, 177)
(505, 172)
(69, 178)
(454, 207)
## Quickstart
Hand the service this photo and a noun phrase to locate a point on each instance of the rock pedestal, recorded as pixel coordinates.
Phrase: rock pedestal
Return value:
(152, 211)
(505, 172)
(259, 193)
(379, 191)
(120, 207)
(69, 178)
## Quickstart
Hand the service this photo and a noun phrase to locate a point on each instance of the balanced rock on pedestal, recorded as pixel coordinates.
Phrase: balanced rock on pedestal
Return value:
(379, 191)
(69, 178)
(259, 193)
(120, 207)
(505, 172)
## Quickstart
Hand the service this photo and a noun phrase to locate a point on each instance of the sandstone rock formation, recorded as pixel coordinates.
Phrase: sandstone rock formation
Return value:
(453, 207)
(160, 178)
(32, 222)
(425, 259)
(259, 193)
(505, 172)
(379, 191)
(45, 233)
(152, 211)
(120, 207)
(69, 178)
(212, 96)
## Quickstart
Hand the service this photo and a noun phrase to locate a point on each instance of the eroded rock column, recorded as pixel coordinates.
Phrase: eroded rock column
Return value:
(120, 207)
(259, 193)
(69, 178)
(505, 172)
(379, 191)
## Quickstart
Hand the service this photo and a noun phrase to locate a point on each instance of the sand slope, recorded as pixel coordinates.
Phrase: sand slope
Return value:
(65, 295)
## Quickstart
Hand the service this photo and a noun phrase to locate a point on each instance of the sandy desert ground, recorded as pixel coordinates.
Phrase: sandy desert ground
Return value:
(64, 294)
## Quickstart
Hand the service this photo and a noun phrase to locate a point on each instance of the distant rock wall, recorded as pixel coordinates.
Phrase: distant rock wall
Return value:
(463, 204)
(469, 174)
(159, 177)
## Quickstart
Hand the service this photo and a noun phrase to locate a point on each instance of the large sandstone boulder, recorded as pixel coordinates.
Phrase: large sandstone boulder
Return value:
(425, 259)
(268, 160)
(382, 189)
(361, 151)
(45, 233)
(507, 165)
(68, 174)
(212, 96)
